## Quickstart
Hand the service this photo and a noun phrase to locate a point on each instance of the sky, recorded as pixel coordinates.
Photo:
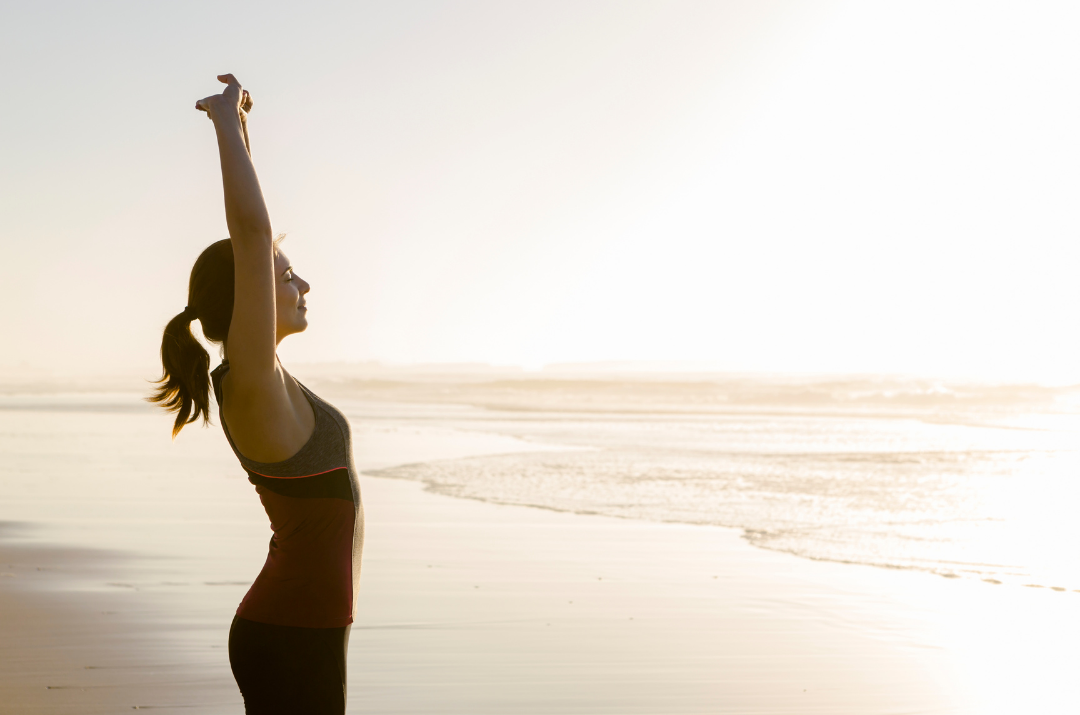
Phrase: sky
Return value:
(756, 185)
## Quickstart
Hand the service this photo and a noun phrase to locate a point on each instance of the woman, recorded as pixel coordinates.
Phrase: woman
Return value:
(288, 640)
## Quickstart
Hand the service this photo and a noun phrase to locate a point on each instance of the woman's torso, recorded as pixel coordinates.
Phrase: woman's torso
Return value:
(313, 502)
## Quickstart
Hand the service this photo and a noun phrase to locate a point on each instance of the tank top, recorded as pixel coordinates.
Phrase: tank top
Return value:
(312, 571)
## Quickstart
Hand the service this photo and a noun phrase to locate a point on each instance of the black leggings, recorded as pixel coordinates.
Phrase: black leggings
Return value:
(285, 670)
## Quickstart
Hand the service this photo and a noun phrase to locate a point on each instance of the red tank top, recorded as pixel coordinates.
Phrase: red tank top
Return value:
(313, 501)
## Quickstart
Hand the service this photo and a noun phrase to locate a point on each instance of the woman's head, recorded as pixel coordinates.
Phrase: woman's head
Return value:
(184, 386)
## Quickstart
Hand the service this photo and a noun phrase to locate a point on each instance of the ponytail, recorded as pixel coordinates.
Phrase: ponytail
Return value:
(184, 387)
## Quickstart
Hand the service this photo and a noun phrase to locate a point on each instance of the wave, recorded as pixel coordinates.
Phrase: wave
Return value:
(958, 514)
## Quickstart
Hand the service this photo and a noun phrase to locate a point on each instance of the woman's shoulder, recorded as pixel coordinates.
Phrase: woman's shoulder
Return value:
(267, 423)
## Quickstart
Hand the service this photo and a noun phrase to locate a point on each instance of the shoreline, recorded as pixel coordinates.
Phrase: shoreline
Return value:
(741, 531)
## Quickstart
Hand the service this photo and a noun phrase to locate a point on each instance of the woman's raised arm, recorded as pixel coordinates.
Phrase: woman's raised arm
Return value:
(252, 341)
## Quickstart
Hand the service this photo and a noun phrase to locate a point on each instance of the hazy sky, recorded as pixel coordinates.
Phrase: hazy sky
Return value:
(807, 186)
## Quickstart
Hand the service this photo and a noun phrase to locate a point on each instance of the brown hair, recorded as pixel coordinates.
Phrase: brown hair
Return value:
(184, 387)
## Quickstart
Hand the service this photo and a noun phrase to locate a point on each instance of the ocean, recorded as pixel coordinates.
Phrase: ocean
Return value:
(963, 480)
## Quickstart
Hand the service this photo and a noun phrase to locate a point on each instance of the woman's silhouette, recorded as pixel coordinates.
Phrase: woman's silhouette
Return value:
(289, 638)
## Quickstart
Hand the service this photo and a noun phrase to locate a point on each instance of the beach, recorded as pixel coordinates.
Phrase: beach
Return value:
(680, 357)
(119, 585)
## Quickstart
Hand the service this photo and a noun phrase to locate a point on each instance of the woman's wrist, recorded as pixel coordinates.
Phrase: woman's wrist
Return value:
(226, 117)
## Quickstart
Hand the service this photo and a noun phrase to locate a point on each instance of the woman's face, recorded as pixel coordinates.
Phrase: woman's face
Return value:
(290, 292)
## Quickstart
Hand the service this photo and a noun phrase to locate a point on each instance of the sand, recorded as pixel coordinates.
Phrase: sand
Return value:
(469, 607)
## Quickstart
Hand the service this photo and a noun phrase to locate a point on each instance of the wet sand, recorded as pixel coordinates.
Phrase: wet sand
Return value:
(78, 638)
(469, 607)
